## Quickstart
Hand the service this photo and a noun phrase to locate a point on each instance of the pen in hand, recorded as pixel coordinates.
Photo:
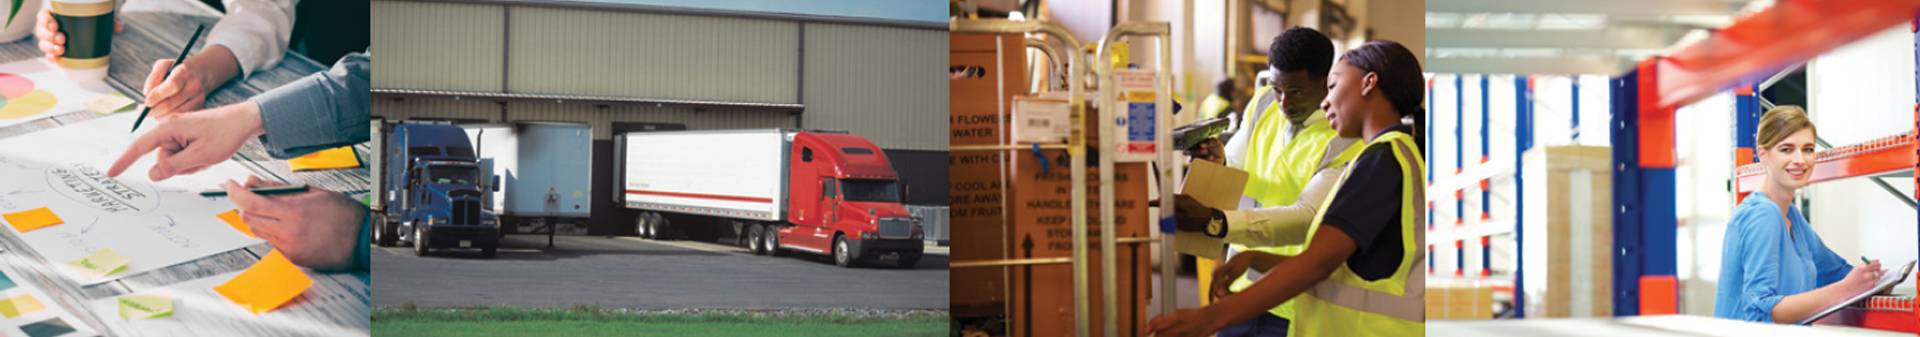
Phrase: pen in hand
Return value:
(163, 76)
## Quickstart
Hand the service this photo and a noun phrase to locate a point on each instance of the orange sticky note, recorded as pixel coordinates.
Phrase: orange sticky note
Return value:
(29, 220)
(266, 285)
(232, 217)
(334, 158)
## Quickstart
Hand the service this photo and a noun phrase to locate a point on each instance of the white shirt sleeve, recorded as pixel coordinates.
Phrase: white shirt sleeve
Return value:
(1285, 224)
(257, 31)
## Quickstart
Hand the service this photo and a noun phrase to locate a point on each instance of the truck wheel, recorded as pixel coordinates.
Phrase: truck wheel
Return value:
(664, 230)
(640, 226)
(420, 240)
(772, 235)
(754, 243)
(907, 260)
(842, 256)
(383, 232)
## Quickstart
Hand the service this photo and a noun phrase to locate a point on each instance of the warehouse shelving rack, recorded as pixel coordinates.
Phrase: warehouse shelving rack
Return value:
(1478, 228)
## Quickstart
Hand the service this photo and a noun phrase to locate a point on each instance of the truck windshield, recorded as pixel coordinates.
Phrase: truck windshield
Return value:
(458, 175)
(871, 190)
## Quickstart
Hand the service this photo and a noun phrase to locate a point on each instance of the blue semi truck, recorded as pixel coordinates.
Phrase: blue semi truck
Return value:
(432, 190)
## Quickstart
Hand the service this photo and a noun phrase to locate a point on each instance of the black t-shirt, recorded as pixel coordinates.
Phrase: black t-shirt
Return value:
(1367, 209)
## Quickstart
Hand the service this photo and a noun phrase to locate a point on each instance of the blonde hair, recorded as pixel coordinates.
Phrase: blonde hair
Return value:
(1779, 122)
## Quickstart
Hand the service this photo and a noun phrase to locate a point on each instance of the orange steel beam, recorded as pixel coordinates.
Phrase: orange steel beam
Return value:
(1790, 32)
(1877, 156)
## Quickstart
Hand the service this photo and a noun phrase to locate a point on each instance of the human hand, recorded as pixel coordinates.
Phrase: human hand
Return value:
(1184, 323)
(315, 228)
(1862, 277)
(1227, 273)
(191, 142)
(52, 42)
(1208, 150)
(1190, 215)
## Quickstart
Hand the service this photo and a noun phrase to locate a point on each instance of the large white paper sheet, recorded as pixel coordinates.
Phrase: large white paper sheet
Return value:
(153, 225)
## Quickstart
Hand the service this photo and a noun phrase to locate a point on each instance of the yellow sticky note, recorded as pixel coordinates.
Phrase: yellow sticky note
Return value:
(20, 305)
(109, 104)
(29, 220)
(266, 285)
(334, 158)
(134, 307)
(232, 217)
(102, 262)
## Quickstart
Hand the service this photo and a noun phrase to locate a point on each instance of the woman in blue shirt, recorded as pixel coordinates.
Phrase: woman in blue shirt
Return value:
(1773, 267)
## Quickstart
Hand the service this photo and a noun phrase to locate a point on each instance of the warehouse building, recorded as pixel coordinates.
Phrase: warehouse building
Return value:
(619, 66)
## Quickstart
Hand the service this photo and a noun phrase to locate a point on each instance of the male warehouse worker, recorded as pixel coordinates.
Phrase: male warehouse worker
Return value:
(1292, 161)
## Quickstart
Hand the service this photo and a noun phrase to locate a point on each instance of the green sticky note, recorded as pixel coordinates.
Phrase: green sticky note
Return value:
(103, 262)
(134, 307)
(109, 104)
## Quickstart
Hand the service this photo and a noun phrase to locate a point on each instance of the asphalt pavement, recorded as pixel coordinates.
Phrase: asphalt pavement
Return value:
(634, 273)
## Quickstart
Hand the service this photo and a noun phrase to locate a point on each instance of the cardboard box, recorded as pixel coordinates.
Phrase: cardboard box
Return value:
(1015, 204)
(980, 90)
(1459, 302)
(1042, 303)
(985, 72)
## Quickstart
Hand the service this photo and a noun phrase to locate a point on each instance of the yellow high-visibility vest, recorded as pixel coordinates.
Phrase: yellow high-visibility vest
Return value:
(1347, 305)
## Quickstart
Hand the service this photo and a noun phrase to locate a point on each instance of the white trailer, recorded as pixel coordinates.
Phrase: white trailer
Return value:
(544, 169)
(728, 174)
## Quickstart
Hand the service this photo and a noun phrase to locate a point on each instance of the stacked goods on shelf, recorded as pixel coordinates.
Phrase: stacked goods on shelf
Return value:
(1569, 272)
(1459, 302)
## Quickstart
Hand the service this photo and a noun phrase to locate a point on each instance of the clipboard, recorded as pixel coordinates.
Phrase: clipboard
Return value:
(1216, 186)
(1886, 282)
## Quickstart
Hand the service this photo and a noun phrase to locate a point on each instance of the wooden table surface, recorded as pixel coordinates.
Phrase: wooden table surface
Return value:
(154, 30)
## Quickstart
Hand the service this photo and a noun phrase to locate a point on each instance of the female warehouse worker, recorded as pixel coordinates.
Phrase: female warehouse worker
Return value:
(1774, 268)
(1359, 275)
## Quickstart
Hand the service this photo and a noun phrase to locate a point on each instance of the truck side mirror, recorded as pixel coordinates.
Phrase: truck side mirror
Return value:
(496, 183)
(904, 188)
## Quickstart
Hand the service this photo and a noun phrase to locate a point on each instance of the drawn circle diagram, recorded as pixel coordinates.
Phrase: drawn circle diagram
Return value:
(20, 99)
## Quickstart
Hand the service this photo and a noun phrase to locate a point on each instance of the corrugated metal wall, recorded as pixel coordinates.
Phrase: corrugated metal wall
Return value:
(886, 83)
(435, 108)
(598, 116)
(602, 117)
(557, 50)
(416, 42)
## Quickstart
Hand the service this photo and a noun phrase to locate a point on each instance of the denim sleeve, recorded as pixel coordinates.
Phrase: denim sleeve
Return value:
(1762, 241)
(1831, 266)
(324, 110)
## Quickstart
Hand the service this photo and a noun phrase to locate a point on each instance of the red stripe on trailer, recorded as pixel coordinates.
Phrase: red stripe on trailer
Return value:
(700, 196)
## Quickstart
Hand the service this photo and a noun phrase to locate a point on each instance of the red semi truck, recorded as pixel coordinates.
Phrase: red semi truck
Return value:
(774, 190)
